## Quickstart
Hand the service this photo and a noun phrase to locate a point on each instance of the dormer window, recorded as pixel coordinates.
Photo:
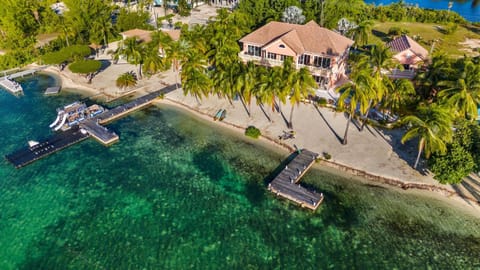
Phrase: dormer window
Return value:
(281, 46)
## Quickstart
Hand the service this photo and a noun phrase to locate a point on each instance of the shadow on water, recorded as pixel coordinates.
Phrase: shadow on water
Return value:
(209, 162)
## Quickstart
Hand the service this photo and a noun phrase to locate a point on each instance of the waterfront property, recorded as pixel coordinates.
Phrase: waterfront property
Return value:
(12, 86)
(409, 54)
(286, 183)
(322, 51)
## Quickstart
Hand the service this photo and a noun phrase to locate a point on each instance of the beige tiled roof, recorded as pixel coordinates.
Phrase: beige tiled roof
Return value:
(301, 38)
(145, 35)
(404, 42)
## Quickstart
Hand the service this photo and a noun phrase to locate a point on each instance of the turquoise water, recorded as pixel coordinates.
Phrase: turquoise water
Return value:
(176, 193)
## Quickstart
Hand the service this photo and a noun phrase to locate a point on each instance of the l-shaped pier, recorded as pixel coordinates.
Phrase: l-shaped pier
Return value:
(91, 127)
(286, 183)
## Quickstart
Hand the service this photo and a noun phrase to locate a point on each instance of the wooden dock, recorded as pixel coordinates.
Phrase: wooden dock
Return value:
(24, 73)
(126, 108)
(100, 133)
(286, 183)
(52, 90)
(91, 127)
(49, 146)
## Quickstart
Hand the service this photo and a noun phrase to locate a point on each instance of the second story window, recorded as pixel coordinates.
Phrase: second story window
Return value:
(304, 59)
(253, 50)
(272, 56)
(282, 57)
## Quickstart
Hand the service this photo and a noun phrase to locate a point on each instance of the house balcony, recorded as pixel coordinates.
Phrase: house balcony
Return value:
(260, 60)
(401, 74)
(319, 71)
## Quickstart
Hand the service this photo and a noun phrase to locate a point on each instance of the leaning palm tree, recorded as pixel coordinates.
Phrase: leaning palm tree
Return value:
(464, 93)
(303, 87)
(433, 126)
(398, 92)
(134, 53)
(355, 95)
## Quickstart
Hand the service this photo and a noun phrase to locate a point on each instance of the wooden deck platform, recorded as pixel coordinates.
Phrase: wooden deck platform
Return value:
(126, 108)
(52, 90)
(49, 146)
(285, 184)
(100, 133)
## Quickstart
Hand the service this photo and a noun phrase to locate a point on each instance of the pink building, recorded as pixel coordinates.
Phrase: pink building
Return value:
(322, 51)
(407, 51)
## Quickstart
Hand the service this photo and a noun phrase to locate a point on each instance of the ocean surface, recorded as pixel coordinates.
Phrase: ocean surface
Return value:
(469, 9)
(177, 193)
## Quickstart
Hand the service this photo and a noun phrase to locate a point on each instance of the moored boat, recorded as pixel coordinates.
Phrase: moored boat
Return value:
(218, 115)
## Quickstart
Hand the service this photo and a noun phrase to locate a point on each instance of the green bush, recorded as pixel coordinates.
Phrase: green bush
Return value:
(322, 101)
(85, 66)
(326, 155)
(253, 132)
(450, 28)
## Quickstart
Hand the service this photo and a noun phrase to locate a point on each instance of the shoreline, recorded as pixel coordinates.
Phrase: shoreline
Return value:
(444, 195)
(267, 139)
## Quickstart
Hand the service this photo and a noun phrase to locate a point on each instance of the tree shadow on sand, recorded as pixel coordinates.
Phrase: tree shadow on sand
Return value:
(340, 139)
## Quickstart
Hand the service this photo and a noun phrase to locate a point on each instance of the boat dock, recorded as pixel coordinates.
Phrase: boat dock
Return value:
(52, 90)
(126, 108)
(100, 133)
(12, 86)
(49, 146)
(91, 127)
(286, 183)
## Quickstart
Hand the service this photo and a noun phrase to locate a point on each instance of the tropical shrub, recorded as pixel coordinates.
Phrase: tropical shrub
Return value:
(326, 155)
(253, 132)
(85, 66)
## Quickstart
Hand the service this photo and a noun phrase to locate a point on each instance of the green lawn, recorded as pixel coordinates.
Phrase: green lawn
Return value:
(428, 32)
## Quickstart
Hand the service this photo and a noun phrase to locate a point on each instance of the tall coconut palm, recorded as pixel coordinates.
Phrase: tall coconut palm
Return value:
(245, 84)
(176, 55)
(355, 95)
(361, 32)
(134, 53)
(153, 62)
(398, 92)
(225, 79)
(265, 90)
(303, 87)
(195, 80)
(433, 126)
(379, 61)
(464, 93)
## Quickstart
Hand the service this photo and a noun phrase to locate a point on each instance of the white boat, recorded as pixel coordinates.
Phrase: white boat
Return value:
(32, 143)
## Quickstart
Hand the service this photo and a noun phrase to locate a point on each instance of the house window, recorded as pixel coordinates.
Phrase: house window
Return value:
(271, 55)
(282, 57)
(323, 62)
(326, 62)
(304, 59)
(281, 46)
(253, 50)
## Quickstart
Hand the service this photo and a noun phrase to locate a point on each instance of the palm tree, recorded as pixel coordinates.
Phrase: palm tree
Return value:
(125, 80)
(433, 125)
(431, 79)
(134, 53)
(224, 79)
(379, 61)
(398, 91)
(245, 84)
(176, 55)
(355, 95)
(153, 61)
(464, 93)
(302, 88)
(360, 33)
(195, 80)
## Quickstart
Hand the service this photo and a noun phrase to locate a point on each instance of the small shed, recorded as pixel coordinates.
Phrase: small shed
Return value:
(407, 51)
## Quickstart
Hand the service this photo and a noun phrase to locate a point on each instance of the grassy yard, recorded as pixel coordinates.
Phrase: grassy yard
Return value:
(449, 43)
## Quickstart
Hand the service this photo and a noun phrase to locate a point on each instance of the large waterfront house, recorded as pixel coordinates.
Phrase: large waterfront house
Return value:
(322, 51)
(408, 53)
